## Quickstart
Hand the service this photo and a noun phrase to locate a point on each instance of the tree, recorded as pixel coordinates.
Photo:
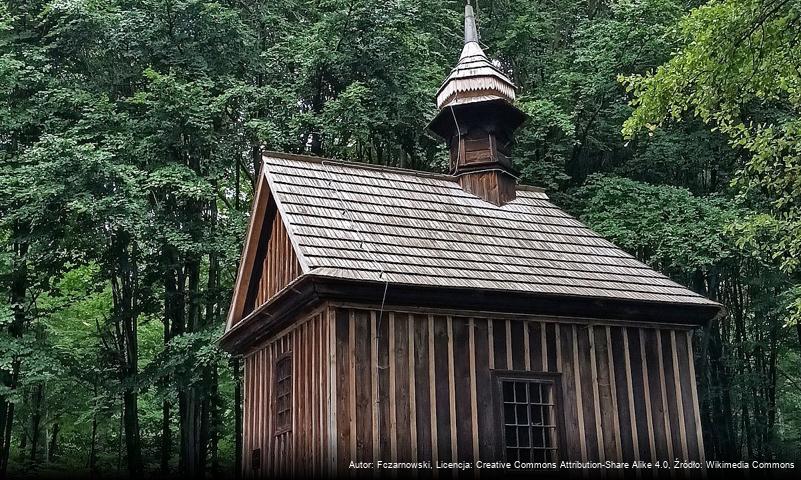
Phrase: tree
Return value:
(738, 69)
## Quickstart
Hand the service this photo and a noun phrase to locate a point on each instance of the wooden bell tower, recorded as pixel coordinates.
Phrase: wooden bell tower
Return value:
(477, 119)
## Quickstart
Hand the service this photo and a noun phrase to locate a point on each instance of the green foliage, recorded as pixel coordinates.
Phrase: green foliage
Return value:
(666, 227)
(566, 56)
(737, 69)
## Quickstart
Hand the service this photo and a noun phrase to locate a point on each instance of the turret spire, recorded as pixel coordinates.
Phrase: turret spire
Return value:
(477, 118)
(470, 31)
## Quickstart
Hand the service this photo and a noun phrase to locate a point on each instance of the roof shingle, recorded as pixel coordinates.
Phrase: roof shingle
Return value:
(361, 222)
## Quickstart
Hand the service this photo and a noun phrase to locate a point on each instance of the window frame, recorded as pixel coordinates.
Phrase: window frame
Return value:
(284, 357)
(552, 378)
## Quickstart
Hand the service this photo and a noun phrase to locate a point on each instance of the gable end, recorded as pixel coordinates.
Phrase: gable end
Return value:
(269, 261)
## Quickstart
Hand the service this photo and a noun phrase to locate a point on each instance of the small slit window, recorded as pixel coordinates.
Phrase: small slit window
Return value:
(283, 394)
(529, 416)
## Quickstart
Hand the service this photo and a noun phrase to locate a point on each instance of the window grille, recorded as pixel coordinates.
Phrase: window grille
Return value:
(529, 419)
(283, 394)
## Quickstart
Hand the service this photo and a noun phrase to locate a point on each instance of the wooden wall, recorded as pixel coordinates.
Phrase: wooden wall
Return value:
(303, 449)
(278, 264)
(413, 387)
(491, 185)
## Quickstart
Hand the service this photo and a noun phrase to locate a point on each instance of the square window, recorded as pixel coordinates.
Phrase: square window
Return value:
(529, 417)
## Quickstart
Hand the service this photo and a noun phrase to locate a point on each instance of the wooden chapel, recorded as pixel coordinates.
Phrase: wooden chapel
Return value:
(395, 315)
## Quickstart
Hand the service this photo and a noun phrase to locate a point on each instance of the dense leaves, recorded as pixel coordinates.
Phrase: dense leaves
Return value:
(738, 69)
(657, 224)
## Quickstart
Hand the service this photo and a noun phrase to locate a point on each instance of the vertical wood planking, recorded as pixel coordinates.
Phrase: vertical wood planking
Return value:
(269, 459)
(584, 390)
(499, 345)
(442, 388)
(258, 399)
(363, 385)
(362, 389)
(517, 345)
(247, 402)
(280, 264)
(684, 360)
(664, 396)
(333, 408)
(351, 379)
(325, 404)
(544, 345)
(678, 394)
(299, 400)
(554, 347)
(652, 355)
(508, 331)
(647, 396)
(295, 379)
(317, 381)
(526, 347)
(463, 388)
(393, 428)
(305, 346)
(600, 383)
(314, 383)
(343, 390)
(643, 423)
(403, 436)
(575, 440)
(422, 388)
(412, 390)
(304, 447)
(694, 396)
(452, 391)
(635, 434)
(613, 398)
(535, 346)
(473, 390)
(485, 419)
(432, 375)
(374, 382)
(384, 389)
(576, 375)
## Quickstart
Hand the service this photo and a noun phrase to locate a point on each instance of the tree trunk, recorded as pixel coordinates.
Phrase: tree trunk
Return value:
(237, 392)
(166, 438)
(124, 281)
(52, 450)
(93, 443)
(133, 447)
(19, 287)
(173, 323)
(192, 441)
(216, 424)
(36, 423)
(191, 434)
(775, 333)
(210, 420)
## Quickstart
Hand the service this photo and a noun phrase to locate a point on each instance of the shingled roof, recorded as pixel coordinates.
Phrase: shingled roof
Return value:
(361, 222)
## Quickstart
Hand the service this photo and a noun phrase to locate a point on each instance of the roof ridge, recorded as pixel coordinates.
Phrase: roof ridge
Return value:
(380, 168)
(366, 166)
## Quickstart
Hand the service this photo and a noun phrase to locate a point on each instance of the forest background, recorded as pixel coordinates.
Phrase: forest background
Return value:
(130, 136)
